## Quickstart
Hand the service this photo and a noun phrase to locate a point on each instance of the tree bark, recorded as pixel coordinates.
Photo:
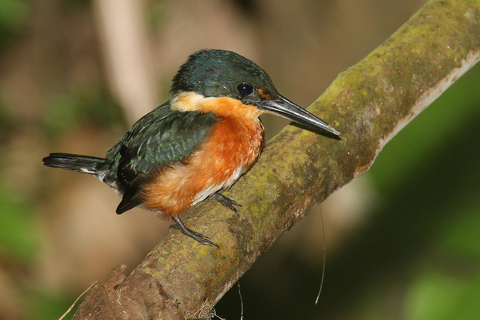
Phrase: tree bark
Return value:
(369, 103)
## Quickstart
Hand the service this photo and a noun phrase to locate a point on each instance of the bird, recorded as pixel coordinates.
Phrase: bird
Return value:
(196, 144)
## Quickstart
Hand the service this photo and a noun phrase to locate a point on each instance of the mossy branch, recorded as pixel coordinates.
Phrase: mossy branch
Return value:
(369, 103)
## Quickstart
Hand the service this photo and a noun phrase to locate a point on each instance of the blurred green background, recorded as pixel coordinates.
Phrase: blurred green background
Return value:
(402, 242)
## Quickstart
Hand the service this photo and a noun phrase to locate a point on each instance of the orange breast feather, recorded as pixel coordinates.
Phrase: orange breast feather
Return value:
(236, 141)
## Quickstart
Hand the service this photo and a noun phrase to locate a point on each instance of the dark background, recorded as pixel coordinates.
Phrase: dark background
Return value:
(402, 242)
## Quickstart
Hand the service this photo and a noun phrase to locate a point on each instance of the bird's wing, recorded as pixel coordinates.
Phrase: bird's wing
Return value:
(159, 139)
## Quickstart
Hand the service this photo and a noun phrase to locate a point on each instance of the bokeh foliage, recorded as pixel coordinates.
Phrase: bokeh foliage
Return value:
(416, 255)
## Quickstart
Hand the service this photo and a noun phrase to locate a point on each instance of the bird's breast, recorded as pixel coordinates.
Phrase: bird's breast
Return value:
(231, 149)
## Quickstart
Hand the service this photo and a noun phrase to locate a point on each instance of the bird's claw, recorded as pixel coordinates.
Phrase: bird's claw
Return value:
(226, 202)
(203, 239)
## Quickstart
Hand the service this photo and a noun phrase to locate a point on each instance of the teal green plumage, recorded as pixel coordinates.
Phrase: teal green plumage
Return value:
(161, 137)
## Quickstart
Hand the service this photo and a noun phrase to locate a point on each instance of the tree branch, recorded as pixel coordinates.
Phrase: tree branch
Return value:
(369, 103)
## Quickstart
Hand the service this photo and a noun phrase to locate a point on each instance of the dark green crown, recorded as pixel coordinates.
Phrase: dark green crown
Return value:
(218, 73)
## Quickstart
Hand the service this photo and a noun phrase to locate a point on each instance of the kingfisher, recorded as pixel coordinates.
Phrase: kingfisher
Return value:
(197, 143)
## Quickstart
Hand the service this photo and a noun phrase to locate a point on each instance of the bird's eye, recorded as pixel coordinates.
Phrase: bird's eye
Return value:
(245, 89)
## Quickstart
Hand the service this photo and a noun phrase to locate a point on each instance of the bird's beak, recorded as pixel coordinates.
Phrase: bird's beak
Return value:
(287, 109)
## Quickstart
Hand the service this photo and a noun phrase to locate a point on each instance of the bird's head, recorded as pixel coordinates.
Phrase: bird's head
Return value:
(221, 73)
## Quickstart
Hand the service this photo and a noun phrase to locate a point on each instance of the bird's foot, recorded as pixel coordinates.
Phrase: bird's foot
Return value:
(226, 202)
(203, 239)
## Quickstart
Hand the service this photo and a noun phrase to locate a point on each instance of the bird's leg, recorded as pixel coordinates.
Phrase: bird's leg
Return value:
(226, 202)
(192, 234)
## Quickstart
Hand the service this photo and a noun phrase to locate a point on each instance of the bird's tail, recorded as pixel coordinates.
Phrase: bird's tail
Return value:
(75, 162)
